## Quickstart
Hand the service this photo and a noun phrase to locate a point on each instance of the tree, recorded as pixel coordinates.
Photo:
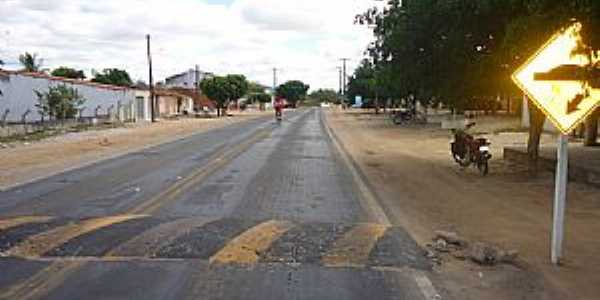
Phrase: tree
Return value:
(325, 95)
(60, 102)
(30, 62)
(219, 89)
(113, 77)
(66, 72)
(293, 91)
(260, 97)
(461, 53)
(239, 86)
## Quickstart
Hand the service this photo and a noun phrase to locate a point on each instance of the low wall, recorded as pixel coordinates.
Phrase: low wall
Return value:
(577, 173)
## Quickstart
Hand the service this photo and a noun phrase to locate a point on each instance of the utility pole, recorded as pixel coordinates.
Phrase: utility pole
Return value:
(197, 78)
(151, 81)
(274, 85)
(275, 78)
(344, 60)
(340, 80)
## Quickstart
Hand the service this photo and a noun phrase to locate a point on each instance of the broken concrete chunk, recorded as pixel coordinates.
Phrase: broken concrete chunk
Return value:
(483, 254)
(451, 238)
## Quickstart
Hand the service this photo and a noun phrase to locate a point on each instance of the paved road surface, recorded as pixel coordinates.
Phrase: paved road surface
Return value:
(257, 210)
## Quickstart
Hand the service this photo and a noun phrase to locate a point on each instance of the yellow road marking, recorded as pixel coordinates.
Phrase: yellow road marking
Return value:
(14, 222)
(50, 277)
(353, 249)
(43, 281)
(218, 161)
(244, 249)
(39, 244)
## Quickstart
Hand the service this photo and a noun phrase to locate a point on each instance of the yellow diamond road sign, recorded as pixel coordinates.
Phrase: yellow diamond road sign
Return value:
(563, 82)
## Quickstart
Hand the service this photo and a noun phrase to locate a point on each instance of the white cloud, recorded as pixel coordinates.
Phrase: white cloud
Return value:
(303, 38)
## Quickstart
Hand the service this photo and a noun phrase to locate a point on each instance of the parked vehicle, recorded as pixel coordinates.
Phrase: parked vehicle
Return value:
(405, 116)
(467, 150)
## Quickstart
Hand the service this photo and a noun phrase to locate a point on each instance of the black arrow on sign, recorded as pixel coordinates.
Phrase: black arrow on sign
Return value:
(573, 105)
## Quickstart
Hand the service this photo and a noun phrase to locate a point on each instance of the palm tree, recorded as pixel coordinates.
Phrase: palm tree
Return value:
(30, 62)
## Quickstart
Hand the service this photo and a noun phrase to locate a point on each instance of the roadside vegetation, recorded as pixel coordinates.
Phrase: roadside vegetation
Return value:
(461, 53)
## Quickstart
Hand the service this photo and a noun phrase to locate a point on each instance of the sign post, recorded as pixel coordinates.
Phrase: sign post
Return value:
(560, 198)
(563, 83)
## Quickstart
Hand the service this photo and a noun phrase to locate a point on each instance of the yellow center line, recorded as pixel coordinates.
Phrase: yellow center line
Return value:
(50, 277)
(354, 247)
(41, 243)
(245, 248)
(14, 222)
(218, 161)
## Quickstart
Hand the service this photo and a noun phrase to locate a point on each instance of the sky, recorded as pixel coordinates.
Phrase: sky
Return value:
(304, 39)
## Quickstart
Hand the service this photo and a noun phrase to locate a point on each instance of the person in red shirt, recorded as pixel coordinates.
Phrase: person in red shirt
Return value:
(279, 105)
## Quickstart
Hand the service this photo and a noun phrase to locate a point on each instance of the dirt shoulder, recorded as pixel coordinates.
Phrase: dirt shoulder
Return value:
(26, 162)
(423, 190)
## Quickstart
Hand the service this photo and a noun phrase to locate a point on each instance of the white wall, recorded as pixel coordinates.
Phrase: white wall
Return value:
(19, 96)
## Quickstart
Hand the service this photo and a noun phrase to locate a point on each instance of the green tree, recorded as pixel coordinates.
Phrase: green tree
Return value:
(325, 95)
(239, 87)
(260, 97)
(60, 102)
(293, 91)
(30, 62)
(219, 89)
(113, 77)
(67, 72)
(461, 53)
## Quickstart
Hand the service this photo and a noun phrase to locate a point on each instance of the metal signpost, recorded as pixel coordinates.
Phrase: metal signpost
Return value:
(563, 84)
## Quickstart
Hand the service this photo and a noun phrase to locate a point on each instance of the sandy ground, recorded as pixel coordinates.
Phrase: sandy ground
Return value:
(24, 162)
(423, 190)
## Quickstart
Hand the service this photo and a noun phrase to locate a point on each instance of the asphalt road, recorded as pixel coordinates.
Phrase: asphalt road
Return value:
(256, 210)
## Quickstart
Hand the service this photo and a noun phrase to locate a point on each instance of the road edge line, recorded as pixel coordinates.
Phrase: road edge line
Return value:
(372, 204)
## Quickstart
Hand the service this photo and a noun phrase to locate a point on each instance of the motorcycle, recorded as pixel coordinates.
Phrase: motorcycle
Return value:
(467, 150)
(278, 116)
(407, 116)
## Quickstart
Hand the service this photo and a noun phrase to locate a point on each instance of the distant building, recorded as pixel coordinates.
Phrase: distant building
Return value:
(187, 80)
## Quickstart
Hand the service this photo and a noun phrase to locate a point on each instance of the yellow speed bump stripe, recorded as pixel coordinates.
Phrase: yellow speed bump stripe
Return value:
(14, 222)
(39, 244)
(354, 247)
(245, 248)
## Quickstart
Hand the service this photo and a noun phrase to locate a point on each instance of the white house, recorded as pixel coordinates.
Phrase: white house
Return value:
(187, 80)
(18, 98)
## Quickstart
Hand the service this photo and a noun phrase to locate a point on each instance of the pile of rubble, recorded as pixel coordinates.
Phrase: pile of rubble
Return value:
(450, 243)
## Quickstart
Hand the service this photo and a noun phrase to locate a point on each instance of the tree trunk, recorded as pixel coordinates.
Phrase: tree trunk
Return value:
(591, 129)
(536, 127)
(376, 105)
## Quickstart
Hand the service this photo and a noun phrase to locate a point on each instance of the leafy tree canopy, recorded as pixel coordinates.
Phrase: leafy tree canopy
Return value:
(325, 95)
(67, 72)
(113, 77)
(461, 51)
(293, 91)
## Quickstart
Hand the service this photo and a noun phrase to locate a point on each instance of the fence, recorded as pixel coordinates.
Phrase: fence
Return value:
(28, 125)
